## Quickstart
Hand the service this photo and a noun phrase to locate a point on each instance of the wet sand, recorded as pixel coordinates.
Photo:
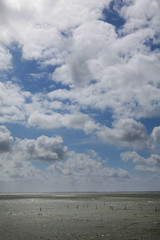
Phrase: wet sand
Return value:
(64, 216)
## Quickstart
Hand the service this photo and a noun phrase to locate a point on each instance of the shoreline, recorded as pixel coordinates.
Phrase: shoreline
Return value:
(77, 195)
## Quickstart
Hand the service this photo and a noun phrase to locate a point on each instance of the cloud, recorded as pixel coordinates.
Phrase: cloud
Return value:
(125, 131)
(15, 170)
(17, 175)
(116, 73)
(156, 135)
(126, 86)
(50, 112)
(142, 14)
(125, 70)
(42, 19)
(75, 120)
(88, 42)
(78, 171)
(85, 171)
(150, 164)
(12, 102)
(98, 66)
(144, 168)
(5, 140)
(42, 149)
(72, 171)
(5, 59)
(87, 165)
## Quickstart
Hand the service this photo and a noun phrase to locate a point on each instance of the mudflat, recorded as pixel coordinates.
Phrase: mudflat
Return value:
(77, 216)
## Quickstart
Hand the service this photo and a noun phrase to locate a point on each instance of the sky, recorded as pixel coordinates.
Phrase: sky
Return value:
(79, 95)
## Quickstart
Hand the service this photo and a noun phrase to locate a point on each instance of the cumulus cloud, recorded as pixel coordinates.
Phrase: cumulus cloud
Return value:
(117, 73)
(142, 14)
(125, 131)
(126, 86)
(79, 171)
(37, 110)
(5, 140)
(150, 164)
(88, 42)
(156, 135)
(42, 19)
(99, 67)
(86, 170)
(56, 120)
(16, 170)
(144, 168)
(12, 102)
(5, 59)
(42, 149)
(73, 172)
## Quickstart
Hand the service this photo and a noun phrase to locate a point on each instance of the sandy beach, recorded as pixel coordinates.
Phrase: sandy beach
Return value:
(116, 216)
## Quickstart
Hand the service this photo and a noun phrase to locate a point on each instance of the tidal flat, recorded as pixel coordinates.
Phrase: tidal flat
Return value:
(80, 216)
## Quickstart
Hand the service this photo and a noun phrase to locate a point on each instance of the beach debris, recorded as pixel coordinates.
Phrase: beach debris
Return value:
(101, 235)
(156, 208)
(9, 213)
(111, 207)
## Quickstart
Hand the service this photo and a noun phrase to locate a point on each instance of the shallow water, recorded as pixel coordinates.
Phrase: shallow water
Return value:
(119, 216)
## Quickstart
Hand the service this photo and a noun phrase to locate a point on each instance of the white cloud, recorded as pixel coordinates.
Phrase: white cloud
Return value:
(142, 14)
(88, 42)
(12, 101)
(85, 171)
(17, 170)
(36, 110)
(17, 175)
(104, 71)
(126, 132)
(42, 149)
(50, 111)
(126, 87)
(124, 70)
(42, 19)
(144, 168)
(78, 172)
(73, 172)
(56, 120)
(116, 73)
(156, 135)
(5, 59)
(5, 140)
(150, 164)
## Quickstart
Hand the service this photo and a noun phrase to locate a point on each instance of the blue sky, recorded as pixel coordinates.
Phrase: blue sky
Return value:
(79, 95)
